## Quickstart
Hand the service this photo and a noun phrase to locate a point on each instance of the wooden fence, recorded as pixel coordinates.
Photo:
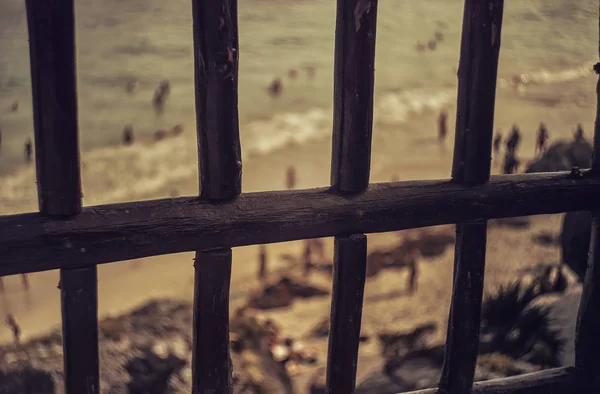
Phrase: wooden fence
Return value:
(74, 239)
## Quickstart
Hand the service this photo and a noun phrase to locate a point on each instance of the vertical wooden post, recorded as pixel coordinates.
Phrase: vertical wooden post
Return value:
(587, 339)
(216, 81)
(350, 169)
(220, 166)
(51, 27)
(355, 29)
(349, 275)
(482, 21)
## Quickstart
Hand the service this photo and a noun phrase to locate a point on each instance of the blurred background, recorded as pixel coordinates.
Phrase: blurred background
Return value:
(137, 138)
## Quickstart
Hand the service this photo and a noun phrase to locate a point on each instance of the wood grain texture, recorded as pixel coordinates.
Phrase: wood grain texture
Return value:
(587, 339)
(211, 362)
(79, 306)
(349, 275)
(355, 30)
(216, 55)
(550, 381)
(478, 68)
(100, 234)
(51, 27)
(53, 82)
(477, 74)
(462, 340)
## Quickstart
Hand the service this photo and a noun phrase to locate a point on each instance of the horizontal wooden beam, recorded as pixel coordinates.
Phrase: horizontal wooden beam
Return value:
(550, 381)
(100, 234)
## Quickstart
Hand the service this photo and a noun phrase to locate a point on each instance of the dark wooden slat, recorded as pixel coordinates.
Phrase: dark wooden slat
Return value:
(477, 74)
(353, 94)
(587, 340)
(216, 79)
(478, 68)
(79, 305)
(211, 363)
(465, 311)
(32, 242)
(52, 51)
(349, 274)
(550, 381)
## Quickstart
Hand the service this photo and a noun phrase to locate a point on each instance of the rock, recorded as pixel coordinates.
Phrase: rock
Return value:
(147, 350)
(26, 381)
(282, 294)
(575, 238)
(562, 156)
(150, 373)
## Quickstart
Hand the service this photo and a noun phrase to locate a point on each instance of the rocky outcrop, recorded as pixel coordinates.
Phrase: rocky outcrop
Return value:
(562, 156)
(575, 238)
(145, 351)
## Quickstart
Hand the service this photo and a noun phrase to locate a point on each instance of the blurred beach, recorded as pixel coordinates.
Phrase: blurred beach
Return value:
(548, 48)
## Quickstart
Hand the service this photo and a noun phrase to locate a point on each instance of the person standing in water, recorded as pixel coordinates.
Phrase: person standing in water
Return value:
(14, 326)
(578, 134)
(542, 140)
(28, 150)
(442, 126)
(262, 263)
(513, 140)
(307, 264)
(128, 135)
(497, 142)
(291, 178)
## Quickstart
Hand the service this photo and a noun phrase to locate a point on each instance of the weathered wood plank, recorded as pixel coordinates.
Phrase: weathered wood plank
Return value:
(349, 275)
(587, 340)
(477, 75)
(216, 81)
(51, 27)
(79, 306)
(53, 82)
(550, 381)
(353, 94)
(478, 68)
(32, 242)
(211, 362)
(462, 341)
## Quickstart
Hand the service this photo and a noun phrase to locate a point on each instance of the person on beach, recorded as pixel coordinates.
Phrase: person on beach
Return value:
(497, 142)
(317, 245)
(160, 96)
(442, 127)
(14, 107)
(28, 150)
(307, 263)
(290, 181)
(513, 140)
(311, 72)
(578, 134)
(511, 163)
(275, 87)
(25, 281)
(127, 135)
(413, 274)
(542, 140)
(262, 263)
(14, 326)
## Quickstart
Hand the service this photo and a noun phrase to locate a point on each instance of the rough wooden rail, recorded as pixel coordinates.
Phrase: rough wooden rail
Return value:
(51, 27)
(220, 177)
(478, 68)
(33, 242)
